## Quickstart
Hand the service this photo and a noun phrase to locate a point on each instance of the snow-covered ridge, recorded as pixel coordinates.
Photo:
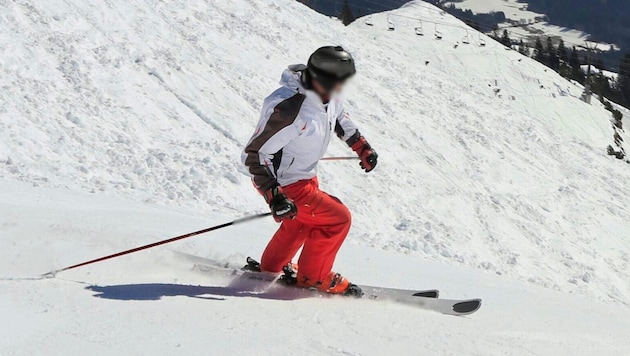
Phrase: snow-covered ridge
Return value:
(487, 159)
(531, 24)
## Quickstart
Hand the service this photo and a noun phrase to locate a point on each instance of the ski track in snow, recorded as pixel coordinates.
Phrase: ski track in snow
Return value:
(487, 160)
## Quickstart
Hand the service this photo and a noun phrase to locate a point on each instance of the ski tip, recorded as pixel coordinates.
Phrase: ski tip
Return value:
(467, 307)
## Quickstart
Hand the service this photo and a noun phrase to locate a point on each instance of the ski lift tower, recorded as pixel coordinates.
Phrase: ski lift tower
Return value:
(588, 94)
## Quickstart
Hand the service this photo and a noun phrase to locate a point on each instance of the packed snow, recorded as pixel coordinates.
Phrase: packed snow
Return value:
(155, 303)
(121, 123)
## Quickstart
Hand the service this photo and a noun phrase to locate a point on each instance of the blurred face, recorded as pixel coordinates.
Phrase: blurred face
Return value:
(324, 91)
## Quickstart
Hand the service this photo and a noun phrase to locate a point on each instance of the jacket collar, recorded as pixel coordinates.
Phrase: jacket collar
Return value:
(292, 79)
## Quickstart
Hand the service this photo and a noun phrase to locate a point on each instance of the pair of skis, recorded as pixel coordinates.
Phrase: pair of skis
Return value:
(270, 283)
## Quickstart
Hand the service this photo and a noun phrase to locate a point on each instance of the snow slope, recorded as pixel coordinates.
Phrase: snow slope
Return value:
(518, 12)
(153, 303)
(488, 161)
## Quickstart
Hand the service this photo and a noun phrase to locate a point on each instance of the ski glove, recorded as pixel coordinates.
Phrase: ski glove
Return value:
(281, 207)
(368, 156)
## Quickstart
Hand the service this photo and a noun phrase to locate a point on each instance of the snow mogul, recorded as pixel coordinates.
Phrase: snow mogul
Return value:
(292, 135)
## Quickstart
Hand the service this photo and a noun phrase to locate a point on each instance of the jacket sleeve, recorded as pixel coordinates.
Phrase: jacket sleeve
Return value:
(346, 129)
(276, 128)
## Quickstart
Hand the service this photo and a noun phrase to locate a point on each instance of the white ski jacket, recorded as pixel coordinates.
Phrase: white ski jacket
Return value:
(293, 133)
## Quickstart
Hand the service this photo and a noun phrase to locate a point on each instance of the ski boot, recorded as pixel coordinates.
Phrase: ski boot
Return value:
(290, 274)
(334, 283)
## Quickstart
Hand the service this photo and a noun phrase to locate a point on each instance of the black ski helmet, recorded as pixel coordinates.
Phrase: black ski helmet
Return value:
(330, 65)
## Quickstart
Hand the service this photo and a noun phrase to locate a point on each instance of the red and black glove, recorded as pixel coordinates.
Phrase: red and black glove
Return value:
(368, 156)
(281, 207)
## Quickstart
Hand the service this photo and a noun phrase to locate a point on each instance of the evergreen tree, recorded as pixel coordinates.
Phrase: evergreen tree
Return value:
(574, 60)
(599, 63)
(624, 80)
(550, 48)
(574, 63)
(562, 51)
(505, 39)
(346, 14)
(496, 36)
(600, 85)
(539, 51)
(522, 48)
(552, 56)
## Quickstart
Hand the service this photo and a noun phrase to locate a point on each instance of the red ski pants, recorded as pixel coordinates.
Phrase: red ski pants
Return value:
(321, 226)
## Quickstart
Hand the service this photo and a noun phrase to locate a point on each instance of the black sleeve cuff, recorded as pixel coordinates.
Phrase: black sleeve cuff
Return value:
(354, 138)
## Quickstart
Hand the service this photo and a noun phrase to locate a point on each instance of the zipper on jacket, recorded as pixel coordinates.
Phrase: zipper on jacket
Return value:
(328, 129)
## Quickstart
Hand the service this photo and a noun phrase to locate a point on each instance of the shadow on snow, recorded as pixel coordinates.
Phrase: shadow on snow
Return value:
(155, 291)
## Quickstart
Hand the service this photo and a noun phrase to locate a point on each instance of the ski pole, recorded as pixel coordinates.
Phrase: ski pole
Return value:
(52, 274)
(340, 158)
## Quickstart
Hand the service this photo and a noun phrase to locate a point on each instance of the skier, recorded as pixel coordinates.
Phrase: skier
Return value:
(292, 135)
